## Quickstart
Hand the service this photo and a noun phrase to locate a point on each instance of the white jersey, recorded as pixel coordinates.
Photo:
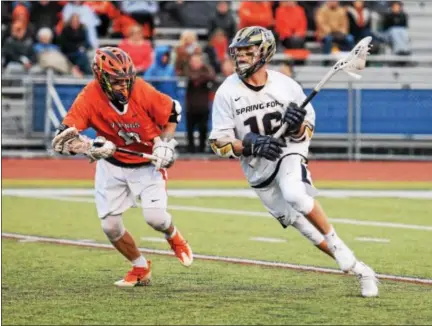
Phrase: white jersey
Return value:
(238, 110)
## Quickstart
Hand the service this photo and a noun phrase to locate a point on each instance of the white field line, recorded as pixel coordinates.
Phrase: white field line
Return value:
(270, 240)
(245, 193)
(213, 258)
(366, 239)
(245, 213)
(153, 239)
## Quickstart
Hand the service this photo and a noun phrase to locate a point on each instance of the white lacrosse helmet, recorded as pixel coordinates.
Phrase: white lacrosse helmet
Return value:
(248, 36)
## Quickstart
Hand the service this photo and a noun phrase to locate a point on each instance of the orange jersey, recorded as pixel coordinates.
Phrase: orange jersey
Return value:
(143, 118)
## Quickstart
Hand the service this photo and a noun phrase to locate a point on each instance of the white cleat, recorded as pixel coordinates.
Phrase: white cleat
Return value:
(344, 257)
(367, 278)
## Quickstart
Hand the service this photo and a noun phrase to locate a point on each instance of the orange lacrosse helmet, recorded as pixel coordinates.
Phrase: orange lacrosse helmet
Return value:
(112, 66)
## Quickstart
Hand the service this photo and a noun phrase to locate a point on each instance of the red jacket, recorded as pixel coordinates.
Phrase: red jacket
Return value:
(141, 55)
(255, 14)
(290, 21)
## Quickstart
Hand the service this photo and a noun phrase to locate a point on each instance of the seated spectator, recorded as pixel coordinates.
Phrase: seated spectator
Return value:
(217, 49)
(310, 9)
(360, 20)
(396, 29)
(139, 49)
(332, 27)
(187, 13)
(49, 55)
(223, 19)
(21, 13)
(256, 13)
(45, 14)
(73, 43)
(188, 45)
(106, 11)
(161, 68)
(291, 25)
(18, 49)
(143, 13)
(87, 17)
(198, 100)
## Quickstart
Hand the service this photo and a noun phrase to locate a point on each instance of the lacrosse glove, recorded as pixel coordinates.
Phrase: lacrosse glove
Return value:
(294, 117)
(262, 146)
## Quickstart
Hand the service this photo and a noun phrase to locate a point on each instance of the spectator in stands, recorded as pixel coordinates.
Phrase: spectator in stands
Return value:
(332, 27)
(256, 13)
(49, 55)
(18, 49)
(396, 29)
(223, 19)
(87, 17)
(73, 43)
(139, 49)
(198, 90)
(106, 11)
(227, 67)
(310, 9)
(188, 46)
(188, 13)
(291, 25)
(162, 68)
(143, 13)
(21, 13)
(360, 20)
(217, 49)
(45, 14)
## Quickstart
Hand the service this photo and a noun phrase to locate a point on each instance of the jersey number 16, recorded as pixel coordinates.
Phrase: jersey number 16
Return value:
(268, 125)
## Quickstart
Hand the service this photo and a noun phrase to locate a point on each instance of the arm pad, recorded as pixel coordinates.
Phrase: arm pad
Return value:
(305, 136)
(223, 149)
(176, 111)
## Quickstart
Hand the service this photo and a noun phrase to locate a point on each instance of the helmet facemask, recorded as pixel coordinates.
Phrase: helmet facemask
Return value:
(116, 74)
(257, 44)
(119, 90)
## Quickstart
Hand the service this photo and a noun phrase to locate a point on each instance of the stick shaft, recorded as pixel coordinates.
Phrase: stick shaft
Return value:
(143, 155)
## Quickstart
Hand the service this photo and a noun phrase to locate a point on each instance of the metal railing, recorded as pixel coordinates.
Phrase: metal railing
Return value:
(352, 144)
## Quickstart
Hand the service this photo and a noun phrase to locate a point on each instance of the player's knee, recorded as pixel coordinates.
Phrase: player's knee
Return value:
(113, 227)
(158, 218)
(308, 230)
(298, 198)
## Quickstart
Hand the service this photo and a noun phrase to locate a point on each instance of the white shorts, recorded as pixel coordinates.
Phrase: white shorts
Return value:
(291, 172)
(117, 188)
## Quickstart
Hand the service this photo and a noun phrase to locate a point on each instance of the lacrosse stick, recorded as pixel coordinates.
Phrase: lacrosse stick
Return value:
(352, 64)
(143, 155)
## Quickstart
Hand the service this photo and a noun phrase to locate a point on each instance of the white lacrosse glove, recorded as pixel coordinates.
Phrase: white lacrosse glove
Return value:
(62, 140)
(101, 148)
(165, 152)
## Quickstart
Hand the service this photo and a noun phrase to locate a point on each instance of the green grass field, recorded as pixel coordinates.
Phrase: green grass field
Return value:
(51, 284)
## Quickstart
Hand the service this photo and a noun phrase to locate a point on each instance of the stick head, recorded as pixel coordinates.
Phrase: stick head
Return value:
(356, 59)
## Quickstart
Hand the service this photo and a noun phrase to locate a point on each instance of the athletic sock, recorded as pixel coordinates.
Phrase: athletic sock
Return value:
(140, 262)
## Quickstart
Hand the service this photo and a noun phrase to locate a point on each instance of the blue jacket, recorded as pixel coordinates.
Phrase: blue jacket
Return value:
(158, 69)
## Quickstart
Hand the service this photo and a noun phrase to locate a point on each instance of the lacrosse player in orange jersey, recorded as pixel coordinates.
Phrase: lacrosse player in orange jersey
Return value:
(126, 112)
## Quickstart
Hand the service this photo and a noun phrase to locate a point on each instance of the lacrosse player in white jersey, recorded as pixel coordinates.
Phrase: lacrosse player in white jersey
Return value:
(249, 107)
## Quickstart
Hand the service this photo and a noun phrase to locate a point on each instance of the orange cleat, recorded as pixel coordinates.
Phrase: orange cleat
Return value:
(181, 248)
(137, 276)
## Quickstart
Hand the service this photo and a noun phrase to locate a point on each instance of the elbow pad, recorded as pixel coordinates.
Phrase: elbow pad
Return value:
(226, 150)
(176, 111)
(306, 136)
